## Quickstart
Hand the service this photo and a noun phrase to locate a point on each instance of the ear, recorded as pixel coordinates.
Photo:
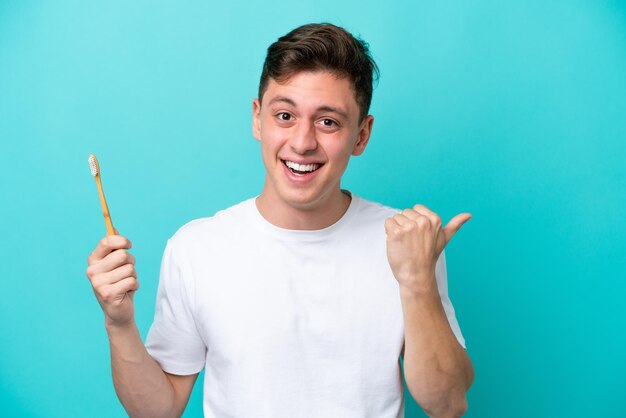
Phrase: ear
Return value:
(364, 135)
(256, 119)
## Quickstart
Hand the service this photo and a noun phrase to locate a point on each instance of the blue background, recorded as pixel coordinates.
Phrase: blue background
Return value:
(513, 111)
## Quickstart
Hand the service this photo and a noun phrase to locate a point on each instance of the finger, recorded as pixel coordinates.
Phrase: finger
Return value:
(107, 245)
(410, 214)
(112, 260)
(113, 276)
(117, 290)
(454, 225)
(423, 210)
(129, 284)
(422, 219)
(401, 219)
(390, 225)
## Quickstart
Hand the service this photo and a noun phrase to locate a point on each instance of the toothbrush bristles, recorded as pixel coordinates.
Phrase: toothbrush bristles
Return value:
(93, 165)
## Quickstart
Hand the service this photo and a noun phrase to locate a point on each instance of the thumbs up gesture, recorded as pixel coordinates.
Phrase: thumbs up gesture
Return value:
(415, 239)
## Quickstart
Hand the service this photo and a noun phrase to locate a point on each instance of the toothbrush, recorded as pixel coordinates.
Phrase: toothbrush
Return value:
(95, 171)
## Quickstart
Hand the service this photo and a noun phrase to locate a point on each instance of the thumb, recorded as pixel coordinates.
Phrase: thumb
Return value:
(454, 225)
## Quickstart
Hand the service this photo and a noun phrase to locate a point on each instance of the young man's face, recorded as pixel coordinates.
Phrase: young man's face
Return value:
(308, 127)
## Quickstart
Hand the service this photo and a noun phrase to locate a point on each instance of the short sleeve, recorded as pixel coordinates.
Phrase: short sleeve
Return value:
(442, 283)
(173, 340)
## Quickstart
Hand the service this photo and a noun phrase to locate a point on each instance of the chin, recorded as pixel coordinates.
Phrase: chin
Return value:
(304, 201)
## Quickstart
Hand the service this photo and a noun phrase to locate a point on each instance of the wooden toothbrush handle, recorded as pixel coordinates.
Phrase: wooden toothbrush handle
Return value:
(105, 208)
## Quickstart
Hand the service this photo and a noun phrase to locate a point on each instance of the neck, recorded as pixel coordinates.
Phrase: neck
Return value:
(320, 215)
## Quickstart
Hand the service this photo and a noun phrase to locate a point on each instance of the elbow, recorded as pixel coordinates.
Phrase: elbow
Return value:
(443, 404)
(446, 409)
(441, 393)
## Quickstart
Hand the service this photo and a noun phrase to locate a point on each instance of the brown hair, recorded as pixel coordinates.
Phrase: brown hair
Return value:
(324, 46)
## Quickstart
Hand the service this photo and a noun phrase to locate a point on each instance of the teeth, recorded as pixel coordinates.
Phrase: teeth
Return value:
(302, 167)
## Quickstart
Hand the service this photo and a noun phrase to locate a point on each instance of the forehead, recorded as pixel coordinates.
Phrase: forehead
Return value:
(314, 89)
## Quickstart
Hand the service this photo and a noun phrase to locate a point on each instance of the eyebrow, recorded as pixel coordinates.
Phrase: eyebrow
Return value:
(284, 99)
(325, 108)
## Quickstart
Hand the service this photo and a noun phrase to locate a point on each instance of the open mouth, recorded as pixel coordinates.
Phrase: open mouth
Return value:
(301, 169)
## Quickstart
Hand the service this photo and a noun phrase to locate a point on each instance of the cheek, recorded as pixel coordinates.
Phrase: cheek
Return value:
(272, 134)
(268, 155)
(340, 156)
(272, 140)
(340, 148)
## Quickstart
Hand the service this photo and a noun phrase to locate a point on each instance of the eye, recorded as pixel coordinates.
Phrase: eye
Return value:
(284, 116)
(328, 123)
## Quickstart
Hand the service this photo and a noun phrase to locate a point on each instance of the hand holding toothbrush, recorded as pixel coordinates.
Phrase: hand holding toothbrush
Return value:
(111, 268)
(113, 277)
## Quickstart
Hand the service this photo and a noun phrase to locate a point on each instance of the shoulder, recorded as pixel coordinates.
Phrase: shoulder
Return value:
(224, 222)
(369, 217)
(373, 211)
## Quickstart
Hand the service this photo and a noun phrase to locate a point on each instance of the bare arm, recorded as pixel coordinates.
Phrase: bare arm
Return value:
(437, 369)
(142, 386)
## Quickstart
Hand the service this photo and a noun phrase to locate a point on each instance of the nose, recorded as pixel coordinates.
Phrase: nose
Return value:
(303, 140)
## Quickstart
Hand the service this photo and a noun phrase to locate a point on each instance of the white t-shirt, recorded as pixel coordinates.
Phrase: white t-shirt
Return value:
(286, 323)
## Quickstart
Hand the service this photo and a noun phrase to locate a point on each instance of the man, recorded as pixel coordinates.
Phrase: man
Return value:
(300, 302)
